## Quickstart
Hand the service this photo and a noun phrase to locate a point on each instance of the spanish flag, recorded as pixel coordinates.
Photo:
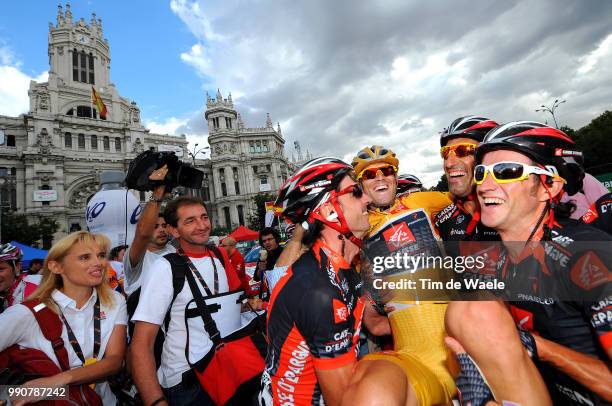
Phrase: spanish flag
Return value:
(99, 103)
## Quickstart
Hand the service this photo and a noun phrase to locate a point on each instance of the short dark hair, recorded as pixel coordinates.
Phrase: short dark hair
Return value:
(268, 231)
(36, 261)
(171, 211)
(115, 252)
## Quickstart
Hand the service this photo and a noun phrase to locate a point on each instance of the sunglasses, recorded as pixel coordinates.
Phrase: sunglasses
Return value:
(371, 173)
(460, 150)
(506, 172)
(354, 189)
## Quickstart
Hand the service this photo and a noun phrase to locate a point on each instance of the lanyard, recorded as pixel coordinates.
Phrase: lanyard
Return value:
(97, 334)
(202, 281)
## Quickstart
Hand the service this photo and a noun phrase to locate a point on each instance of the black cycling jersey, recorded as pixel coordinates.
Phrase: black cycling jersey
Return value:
(454, 223)
(561, 290)
(314, 321)
(600, 214)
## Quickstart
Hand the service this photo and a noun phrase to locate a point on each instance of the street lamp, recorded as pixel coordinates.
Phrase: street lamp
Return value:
(552, 109)
(195, 152)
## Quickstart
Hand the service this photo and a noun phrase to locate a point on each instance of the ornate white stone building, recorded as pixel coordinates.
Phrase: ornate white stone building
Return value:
(244, 161)
(51, 157)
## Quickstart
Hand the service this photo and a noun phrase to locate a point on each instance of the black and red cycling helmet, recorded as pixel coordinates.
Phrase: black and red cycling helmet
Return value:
(408, 183)
(474, 127)
(545, 145)
(309, 188)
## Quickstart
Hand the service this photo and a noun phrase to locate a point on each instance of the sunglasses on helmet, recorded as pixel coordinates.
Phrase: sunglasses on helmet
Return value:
(506, 172)
(371, 173)
(460, 150)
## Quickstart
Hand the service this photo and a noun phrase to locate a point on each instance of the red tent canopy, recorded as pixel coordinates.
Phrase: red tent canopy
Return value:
(244, 234)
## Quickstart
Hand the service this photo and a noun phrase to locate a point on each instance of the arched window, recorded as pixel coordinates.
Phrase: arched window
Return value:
(82, 67)
(94, 142)
(81, 141)
(117, 144)
(106, 142)
(68, 141)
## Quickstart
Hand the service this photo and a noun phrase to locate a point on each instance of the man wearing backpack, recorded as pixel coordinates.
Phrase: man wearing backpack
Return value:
(162, 303)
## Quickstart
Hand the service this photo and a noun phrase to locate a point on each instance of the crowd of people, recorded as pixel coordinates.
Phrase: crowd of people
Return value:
(153, 322)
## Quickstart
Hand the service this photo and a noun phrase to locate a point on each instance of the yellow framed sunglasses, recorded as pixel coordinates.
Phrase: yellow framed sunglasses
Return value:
(507, 172)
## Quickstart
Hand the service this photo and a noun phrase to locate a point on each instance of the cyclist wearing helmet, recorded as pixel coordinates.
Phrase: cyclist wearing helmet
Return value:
(316, 308)
(397, 224)
(460, 220)
(14, 286)
(407, 184)
(558, 289)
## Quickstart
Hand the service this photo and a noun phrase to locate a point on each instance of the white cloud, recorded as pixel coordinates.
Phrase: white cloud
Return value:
(14, 85)
(602, 51)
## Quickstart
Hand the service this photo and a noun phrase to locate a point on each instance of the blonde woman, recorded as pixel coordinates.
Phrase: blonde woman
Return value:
(74, 286)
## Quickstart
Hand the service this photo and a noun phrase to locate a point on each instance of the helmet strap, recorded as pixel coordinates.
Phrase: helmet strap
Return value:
(341, 226)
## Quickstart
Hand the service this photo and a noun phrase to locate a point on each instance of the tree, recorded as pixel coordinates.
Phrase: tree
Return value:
(15, 227)
(257, 217)
(595, 141)
(442, 185)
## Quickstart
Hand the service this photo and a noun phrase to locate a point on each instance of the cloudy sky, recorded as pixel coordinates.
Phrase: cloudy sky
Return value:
(342, 74)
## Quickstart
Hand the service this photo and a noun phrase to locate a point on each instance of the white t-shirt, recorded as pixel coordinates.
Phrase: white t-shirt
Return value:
(155, 298)
(134, 274)
(26, 332)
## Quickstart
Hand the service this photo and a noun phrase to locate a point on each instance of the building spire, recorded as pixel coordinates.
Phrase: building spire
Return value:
(278, 129)
(93, 20)
(60, 15)
(68, 13)
(268, 121)
(240, 122)
(229, 98)
(219, 97)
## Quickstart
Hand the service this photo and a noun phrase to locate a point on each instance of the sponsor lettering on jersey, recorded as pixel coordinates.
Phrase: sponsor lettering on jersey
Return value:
(589, 272)
(341, 312)
(445, 214)
(398, 236)
(286, 384)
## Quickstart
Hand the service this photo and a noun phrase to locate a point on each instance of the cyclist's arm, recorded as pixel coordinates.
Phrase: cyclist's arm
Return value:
(293, 249)
(376, 323)
(590, 372)
(333, 382)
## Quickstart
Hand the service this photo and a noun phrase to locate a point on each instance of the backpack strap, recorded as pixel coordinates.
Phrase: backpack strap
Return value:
(51, 327)
(179, 267)
(218, 254)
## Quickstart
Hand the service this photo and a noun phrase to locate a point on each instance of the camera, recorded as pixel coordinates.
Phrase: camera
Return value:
(179, 173)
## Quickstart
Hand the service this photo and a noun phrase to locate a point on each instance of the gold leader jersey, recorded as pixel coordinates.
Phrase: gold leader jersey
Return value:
(417, 327)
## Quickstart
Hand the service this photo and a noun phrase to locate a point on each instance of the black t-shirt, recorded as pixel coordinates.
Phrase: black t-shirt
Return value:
(314, 318)
(561, 290)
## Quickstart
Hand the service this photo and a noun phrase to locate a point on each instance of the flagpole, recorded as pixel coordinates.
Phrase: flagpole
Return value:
(91, 101)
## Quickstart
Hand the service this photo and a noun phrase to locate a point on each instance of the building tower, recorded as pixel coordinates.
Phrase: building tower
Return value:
(245, 161)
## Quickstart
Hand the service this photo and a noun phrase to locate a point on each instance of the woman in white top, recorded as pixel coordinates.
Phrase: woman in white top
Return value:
(74, 286)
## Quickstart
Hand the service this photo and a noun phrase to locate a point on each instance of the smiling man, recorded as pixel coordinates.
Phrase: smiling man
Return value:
(163, 306)
(556, 271)
(399, 225)
(460, 220)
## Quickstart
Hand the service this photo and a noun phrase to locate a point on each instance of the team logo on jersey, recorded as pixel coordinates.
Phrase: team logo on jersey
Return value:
(341, 313)
(522, 318)
(398, 235)
(460, 219)
(589, 272)
(589, 216)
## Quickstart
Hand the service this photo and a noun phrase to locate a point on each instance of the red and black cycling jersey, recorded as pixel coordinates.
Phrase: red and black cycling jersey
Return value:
(314, 321)
(455, 223)
(562, 290)
(600, 214)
